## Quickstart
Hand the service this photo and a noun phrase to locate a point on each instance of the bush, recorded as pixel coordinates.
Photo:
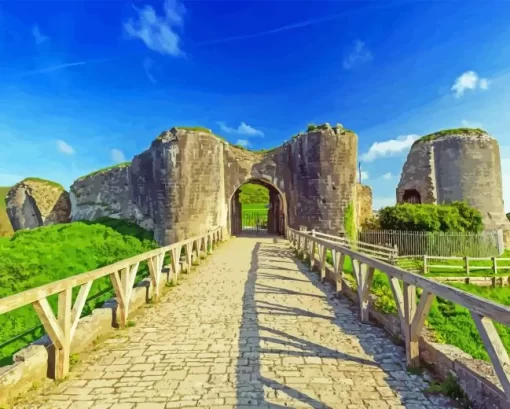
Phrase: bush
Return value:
(311, 127)
(457, 216)
(252, 193)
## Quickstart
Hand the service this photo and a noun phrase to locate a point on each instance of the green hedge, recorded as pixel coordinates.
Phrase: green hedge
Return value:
(457, 216)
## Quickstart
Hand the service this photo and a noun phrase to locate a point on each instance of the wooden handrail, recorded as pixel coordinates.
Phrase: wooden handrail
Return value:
(338, 238)
(61, 328)
(412, 314)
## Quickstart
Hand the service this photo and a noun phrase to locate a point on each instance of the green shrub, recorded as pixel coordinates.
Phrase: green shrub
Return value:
(311, 127)
(252, 193)
(457, 216)
(32, 258)
(350, 222)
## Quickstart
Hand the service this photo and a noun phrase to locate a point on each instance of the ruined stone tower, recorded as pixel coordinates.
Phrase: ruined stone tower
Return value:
(456, 165)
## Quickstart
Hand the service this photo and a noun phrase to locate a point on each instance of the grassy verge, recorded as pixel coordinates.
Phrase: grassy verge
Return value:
(449, 322)
(32, 258)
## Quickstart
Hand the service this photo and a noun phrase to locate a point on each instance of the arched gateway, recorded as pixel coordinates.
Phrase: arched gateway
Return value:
(186, 183)
(276, 210)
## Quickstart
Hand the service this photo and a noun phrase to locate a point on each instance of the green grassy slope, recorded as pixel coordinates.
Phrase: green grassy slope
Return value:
(36, 257)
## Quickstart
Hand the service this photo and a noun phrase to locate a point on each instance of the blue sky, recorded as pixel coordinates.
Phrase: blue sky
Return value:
(86, 84)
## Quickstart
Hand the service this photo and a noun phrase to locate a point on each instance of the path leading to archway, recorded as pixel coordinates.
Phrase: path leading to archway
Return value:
(251, 328)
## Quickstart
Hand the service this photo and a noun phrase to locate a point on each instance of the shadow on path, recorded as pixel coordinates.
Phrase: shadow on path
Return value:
(277, 369)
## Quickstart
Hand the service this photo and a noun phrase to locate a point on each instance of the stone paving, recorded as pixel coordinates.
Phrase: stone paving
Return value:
(250, 328)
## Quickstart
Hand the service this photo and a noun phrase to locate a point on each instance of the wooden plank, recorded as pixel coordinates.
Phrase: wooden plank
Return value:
(49, 322)
(366, 277)
(63, 354)
(412, 349)
(422, 311)
(155, 274)
(338, 269)
(133, 271)
(174, 263)
(79, 303)
(482, 306)
(495, 349)
(117, 285)
(322, 261)
(399, 301)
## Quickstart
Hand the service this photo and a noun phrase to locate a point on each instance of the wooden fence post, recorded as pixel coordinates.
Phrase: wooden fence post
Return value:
(494, 265)
(364, 276)
(322, 261)
(425, 264)
(466, 264)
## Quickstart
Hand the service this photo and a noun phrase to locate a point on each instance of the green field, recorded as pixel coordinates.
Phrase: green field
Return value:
(32, 258)
(450, 323)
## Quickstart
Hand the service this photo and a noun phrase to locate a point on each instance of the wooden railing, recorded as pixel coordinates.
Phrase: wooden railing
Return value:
(61, 328)
(388, 254)
(466, 264)
(411, 313)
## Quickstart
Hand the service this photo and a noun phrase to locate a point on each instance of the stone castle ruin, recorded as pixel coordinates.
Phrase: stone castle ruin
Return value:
(456, 165)
(189, 180)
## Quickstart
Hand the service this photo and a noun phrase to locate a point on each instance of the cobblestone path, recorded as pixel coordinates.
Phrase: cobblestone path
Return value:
(251, 328)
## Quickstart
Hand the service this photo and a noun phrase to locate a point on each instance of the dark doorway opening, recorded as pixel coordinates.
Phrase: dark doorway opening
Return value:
(411, 196)
(257, 207)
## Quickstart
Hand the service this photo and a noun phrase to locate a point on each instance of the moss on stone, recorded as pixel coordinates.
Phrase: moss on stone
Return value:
(44, 181)
(195, 129)
(448, 132)
(97, 172)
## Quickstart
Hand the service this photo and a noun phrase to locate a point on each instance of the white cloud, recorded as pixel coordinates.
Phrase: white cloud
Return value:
(158, 32)
(243, 142)
(389, 148)
(118, 156)
(147, 66)
(387, 176)
(38, 36)
(359, 54)
(471, 124)
(64, 147)
(484, 83)
(242, 129)
(469, 80)
(380, 202)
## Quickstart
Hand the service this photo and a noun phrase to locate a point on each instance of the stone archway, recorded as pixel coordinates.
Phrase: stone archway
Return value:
(276, 213)
(411, 196)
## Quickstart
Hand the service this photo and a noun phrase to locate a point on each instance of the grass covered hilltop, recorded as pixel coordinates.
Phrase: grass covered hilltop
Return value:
(32, 258)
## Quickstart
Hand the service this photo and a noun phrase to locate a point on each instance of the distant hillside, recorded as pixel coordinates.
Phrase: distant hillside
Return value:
(5, 224)
(253, 194)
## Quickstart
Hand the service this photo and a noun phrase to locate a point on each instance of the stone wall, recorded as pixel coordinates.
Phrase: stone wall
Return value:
(364, 200)
(183, 184)
(36, 202)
